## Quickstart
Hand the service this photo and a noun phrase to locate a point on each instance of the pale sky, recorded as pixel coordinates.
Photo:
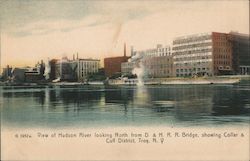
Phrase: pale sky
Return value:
(32, 30)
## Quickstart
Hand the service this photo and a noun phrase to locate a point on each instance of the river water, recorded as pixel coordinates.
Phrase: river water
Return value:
(99, 106)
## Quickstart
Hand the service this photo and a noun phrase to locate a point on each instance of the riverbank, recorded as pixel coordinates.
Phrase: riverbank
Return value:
(171, 81)
(232, 79)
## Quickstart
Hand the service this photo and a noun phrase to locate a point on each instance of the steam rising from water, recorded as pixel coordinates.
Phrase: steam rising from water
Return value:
(47, 70)
(139, 71)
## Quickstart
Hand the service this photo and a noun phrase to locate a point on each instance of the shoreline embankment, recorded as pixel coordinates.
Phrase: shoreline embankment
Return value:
(229, 79)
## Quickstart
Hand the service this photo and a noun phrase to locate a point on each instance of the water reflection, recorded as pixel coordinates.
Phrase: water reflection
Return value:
(129, 105)
(141, 97)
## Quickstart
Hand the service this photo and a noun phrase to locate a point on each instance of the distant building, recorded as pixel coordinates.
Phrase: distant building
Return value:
(18, 74)
(156, 61)
(65, 69)
(127, 67)
(32, 76)
(241, 53)
(74, 70)
(7, 73)
(112, 65)
(158, 66)
(85, 67)
(52, 74)
(202, 54)
(35, 74)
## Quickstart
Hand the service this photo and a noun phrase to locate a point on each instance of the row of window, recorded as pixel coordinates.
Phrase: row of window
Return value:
(185, 52)
(222, 50)
(222, 43)
(191, 70)
(220, 56)
(192, 39)
(222, 37)
(221, 62)
(192, 46)
(192, 58)
(160, 66)
(191, 64)
(160, 72)
(89, 72)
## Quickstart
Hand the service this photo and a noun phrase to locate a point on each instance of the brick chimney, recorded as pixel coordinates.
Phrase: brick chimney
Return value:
(124, 50)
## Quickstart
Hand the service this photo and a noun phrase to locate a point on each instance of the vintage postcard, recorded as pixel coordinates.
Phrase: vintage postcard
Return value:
(124, 80)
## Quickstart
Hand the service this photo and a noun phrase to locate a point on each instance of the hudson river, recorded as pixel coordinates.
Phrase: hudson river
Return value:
(99, 106)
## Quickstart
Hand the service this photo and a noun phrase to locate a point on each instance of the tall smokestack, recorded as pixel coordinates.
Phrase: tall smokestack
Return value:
(77, 55)
(73, 56)
(124, 49)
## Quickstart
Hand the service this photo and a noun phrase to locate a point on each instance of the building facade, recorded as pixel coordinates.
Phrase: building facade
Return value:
(84, 67)
(157, 62)
(127, 67)
(64, 70)
(18, 75)
(75, 70)
(202, 54)
(158, 66)
(52, 63)
(35, 74)
(7, 73)
(222, 54)
(241, 53)
(112, 65)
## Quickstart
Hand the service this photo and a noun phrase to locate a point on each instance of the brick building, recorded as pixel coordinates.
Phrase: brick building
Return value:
(112, 65)
(241, 53)
(202, 54)
(222, 54)
(52, 63)
(157, 62)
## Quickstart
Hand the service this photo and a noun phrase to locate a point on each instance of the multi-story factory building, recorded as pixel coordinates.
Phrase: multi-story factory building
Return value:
(85, 67)
(76, 69)
(157, 62)
(241, 53)
(158, 66)
(202, 54)
(112, 65)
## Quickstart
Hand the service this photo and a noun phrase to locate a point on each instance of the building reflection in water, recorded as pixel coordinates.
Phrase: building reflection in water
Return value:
(159, 104)
(231, 101)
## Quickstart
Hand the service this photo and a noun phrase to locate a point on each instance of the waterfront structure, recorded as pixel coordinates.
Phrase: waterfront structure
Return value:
(202, 54)
(7, 73)
(127, 67)
(52, 74)
(153, 52)
(75, 70)
(64, 70)
(155, 61)
(158, 66)
(35, 74)
(85, 67)
(18, 74)
(112, 65)
(241, 53)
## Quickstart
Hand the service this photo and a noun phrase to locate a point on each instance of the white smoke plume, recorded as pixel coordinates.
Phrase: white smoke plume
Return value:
(47, 70)
(139, 72)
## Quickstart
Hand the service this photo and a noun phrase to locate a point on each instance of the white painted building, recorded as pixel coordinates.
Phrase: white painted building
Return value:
(76, 69)
(192, 54)
(86, 67)
(139, 55)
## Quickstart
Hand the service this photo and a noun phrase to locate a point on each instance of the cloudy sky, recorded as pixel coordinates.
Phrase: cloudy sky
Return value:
(32, 30)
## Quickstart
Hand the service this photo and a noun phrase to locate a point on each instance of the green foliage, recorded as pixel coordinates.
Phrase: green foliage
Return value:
(99, 76)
